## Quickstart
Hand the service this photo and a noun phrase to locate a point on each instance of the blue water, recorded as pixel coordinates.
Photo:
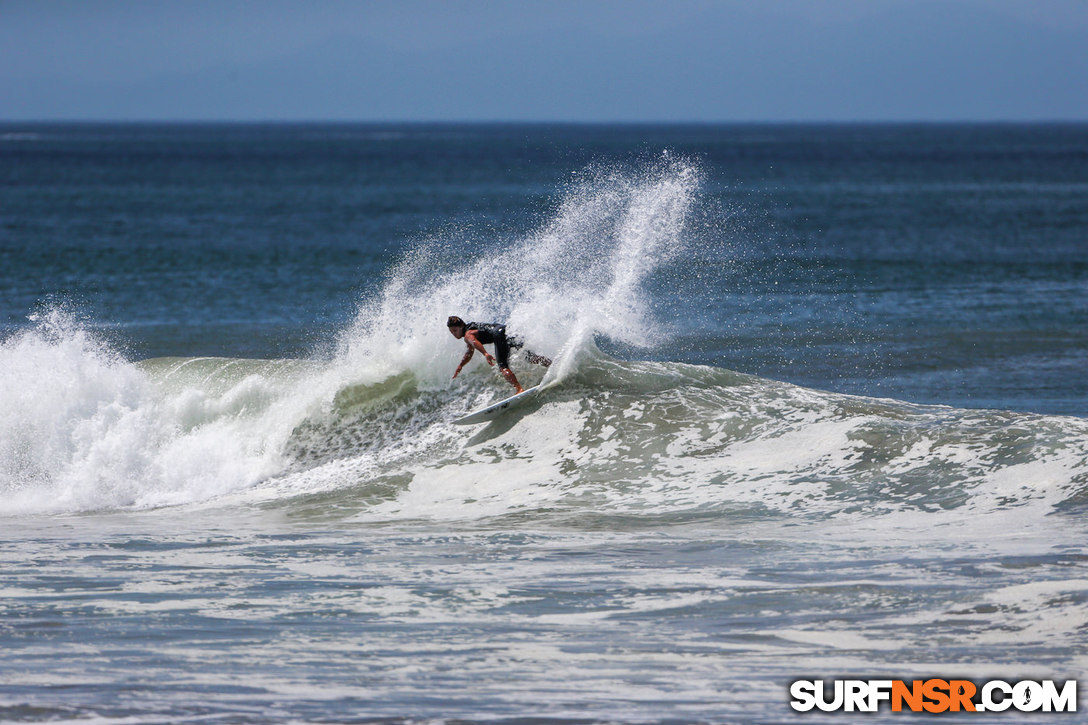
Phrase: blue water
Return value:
(817, 410)
(940, 264)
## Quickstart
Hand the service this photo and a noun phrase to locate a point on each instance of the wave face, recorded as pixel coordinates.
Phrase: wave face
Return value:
(668, 442)
(367, 433)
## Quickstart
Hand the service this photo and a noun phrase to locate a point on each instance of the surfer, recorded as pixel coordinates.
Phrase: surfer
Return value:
(476, 335)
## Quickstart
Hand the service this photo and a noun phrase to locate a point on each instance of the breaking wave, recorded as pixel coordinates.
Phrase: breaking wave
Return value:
(367, 433)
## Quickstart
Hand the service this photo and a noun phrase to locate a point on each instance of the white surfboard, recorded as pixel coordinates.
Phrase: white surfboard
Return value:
(494, 410)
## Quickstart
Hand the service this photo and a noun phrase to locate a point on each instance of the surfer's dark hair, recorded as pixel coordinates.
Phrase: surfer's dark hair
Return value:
(455, 321)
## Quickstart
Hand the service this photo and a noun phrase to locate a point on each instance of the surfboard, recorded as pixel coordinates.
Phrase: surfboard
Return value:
(494, 410)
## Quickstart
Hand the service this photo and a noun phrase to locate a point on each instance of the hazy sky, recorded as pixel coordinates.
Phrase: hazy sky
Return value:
(568, 60)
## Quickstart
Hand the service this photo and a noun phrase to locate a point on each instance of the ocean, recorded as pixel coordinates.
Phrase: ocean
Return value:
(817, 411)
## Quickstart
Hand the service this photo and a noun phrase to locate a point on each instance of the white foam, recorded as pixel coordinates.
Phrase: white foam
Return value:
(82, 428)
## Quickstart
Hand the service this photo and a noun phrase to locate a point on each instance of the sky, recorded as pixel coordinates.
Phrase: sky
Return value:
(561, 60)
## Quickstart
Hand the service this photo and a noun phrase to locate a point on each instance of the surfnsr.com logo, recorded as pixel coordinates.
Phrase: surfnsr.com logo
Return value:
(934, 695)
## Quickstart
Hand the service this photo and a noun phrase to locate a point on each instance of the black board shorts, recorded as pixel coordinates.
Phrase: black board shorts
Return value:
(503, 346)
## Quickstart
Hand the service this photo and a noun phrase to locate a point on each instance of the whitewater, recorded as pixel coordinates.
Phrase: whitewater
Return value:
(648, 540)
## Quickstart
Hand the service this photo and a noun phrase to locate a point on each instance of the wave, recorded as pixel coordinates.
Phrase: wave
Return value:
(612, 438)
(367, 432)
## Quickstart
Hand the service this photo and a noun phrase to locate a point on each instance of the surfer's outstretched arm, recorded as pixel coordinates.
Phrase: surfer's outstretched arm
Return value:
(465, 359)
(472, 342)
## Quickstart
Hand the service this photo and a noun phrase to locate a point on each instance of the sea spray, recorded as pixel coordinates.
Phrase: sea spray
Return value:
(580, 275)
(86, 429)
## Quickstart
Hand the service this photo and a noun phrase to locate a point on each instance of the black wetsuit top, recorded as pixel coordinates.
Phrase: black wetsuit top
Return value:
(487, 332)
(493, 333)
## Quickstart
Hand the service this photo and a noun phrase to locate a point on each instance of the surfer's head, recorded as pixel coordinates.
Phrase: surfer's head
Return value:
(456, 326)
